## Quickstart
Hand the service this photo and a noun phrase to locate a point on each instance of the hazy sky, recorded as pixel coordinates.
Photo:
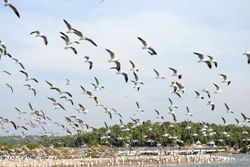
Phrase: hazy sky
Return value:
(174, 28)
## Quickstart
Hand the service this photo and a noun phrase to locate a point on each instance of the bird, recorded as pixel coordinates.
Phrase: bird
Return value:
(112, 56)
(151, 51)
(200, 56)
(8, 3)
(211, 104)
(224, 121)
(82, 109)
(207, 92)
(245, 119)
(137, 82)
(175, 73)
(56, 104)
(212, 60)
(158, 114)
(69, 44)
(218, 90)
(31, 88)
(139, 109)
(158, 75)
(198, 95)
(228, 109)
(41, 35)
(225, 79)
(248, 56)
(119, 71)
(134, 68)
(88, 60)
(82, 37)
(70, 28)
(10, 87)
(188, 112)
(18, 62)
(97, 86)
(6, 72)
(172, 104)
(27, 76)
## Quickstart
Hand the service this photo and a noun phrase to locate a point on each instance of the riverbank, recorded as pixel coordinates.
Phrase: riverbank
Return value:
(123, 160)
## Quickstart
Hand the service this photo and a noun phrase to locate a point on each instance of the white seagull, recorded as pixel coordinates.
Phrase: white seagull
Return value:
(8, 3)
(88, 60)
(139, 109)
(248, 56)
(175, 73)
(228, 109)
(218, 90)
(225, 79)
(158, 75)
(41, 35)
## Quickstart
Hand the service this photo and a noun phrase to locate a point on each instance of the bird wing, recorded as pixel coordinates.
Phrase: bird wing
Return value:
(142, 41)
(217, 87)
(45, 39)
(112, 55)
(25, 73)
(226, 106)
(15, 10)
(201, 56)
(91, 41)
(67, 24)
(34, 32)
(157, 73)
(96, 80)
(133, 65)
(125, 76)
(174, 70)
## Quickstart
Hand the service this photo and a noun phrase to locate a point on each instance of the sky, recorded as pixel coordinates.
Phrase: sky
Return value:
(174, 28)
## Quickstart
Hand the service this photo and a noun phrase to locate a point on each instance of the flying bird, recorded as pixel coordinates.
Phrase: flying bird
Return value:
(139, 109)
(88, 60)
(134, 68)
(218, 90)
(248, 56)
(8, 3)
(158, 76)
(225, 79)
(228, 109)
(69, 44)
(41, 35)
(27, 76)
(82, 37)
(175, 73)
(151, 51)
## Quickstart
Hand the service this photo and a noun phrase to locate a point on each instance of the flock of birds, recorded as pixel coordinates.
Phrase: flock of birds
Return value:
(37, 118)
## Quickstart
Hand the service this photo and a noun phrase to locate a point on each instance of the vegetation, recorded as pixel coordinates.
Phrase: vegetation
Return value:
(142, 134)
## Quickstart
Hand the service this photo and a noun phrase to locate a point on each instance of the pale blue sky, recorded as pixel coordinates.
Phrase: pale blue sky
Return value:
(174, 28)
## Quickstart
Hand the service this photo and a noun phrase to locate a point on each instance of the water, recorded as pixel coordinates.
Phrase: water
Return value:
(241, 160)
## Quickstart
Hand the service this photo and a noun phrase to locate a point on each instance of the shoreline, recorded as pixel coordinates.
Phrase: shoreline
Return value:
(121, 161)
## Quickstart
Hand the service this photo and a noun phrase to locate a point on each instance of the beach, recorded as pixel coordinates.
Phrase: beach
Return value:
(121, 161)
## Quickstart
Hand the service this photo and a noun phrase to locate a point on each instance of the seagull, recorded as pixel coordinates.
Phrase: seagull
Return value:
(172, 104)
(68, 42)
(225, 79)
(31, 88)
(88, 60)
(175, 73)
(27, 76)
(158, 114)
(41, 35)
(67, 99)
(248, 56)
(8, 3)
(201, 57)
(68, 82)
(56, 104)
(198, 95)
(118, 69)
(19, 111)
(112, 55)
(246, 119)
(134, 68)
(70, 29)
(207, 92)
(137, 82)
(9, 86)
(82, 37)
(139, 109)
(19, 62)
(188, 112)
(158, 75)
(6, 72)
(211, 104)
(224, 121)
(228, 109)
(218, 90)
(151, 51)
(82, 109)
(97, 86)
(212, 60)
